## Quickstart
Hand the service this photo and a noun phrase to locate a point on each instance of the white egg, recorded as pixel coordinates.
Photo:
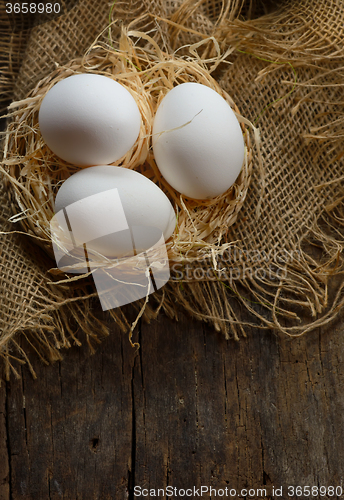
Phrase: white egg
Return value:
(115, 211)
(89, 119)
(198, 144)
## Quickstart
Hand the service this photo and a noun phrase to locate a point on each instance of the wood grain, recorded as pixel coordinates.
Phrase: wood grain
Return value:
(4, 452)
(187, 409)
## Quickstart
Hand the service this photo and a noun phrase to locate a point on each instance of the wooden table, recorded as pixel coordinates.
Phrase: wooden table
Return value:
(188, 409)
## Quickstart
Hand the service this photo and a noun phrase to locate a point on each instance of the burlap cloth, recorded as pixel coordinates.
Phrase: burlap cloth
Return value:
(285, 74)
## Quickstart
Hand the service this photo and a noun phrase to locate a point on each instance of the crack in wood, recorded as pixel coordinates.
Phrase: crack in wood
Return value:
(7, 438)
(131, 471)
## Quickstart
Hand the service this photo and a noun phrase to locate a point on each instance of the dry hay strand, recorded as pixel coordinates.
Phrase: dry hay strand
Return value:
(34, 174)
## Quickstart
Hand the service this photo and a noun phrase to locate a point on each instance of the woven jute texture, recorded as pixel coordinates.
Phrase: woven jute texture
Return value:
(285, 74)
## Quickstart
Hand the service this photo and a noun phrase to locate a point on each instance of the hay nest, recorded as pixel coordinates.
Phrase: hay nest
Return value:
(34, 174)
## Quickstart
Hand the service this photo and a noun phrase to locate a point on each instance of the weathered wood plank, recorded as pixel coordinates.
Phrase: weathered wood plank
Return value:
(197, 402)
(4, 462)
(265, 411)
(78, 415)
